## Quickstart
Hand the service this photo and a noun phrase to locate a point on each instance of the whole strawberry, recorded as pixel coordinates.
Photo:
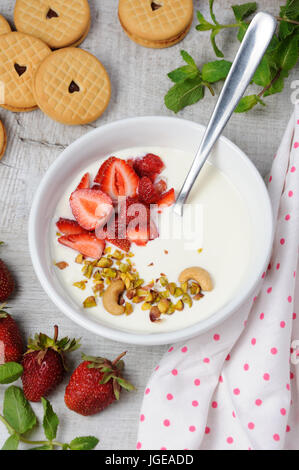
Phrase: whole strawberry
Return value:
(44, 365)
(95, 384)
(11, 344)
(7, 283)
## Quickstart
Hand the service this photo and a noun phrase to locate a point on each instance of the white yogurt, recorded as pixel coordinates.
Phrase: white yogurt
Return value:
(223, 233)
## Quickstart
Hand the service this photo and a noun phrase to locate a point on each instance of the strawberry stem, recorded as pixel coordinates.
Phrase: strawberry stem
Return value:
(55, 333)
(119, 358)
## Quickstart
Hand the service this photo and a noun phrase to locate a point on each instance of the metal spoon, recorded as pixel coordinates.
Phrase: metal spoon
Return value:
(252, 49)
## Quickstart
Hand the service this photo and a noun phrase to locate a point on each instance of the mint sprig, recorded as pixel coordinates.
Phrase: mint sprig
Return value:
(19, 418)
(281, 56)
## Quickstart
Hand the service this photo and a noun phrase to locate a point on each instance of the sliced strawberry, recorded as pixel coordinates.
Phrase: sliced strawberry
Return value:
(167, 199)
(86, 243)
(130, 209)
(91, 208)
(123, 244)
(85, 182)
(160, 186)
(147, 192)
(69, 227)
(142, 234)
(115, 233)
(117, 178)
(151, 165)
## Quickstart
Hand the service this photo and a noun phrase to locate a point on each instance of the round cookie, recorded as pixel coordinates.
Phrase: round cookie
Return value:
(20, 55)
(58, 23)
(158, 23)
(3, 139)
(72, 86)
(4, 25)
(80, 40)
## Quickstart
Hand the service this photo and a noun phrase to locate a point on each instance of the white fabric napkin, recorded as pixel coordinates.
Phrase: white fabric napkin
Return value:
(235, 387)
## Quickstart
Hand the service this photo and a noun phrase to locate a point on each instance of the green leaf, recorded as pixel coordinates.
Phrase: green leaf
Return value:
(182, 73)
(214, 71)
(287, 53)
(203, 25)
(10, 372)
(188, 59)
(126, 385)
(211, 5)
(17, 410)
(262, 74)
(248, 102)
(184, 94)
(276, 87)
(242, 30)
(213, 41)
(12, 443)
(245, 10)
(50, 421)
(84, 443)
(291, 10)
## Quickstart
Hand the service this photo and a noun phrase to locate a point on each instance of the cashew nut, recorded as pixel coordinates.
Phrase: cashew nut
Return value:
(111, 297)
(200, 275)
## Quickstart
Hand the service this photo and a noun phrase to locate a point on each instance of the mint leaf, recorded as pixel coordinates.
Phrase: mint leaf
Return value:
(291, 10)
(203, 25)
(17, 410)
(84, 443)
(12, 443)
(242, 11)
(184, 94)
(214, 71)
(45, 447)
(276, 87)
(213, 41)
(188, 59)
(248, 102)
(242, 30)
(262, 74)
(287, 53)
(10, 372)
(50, 421)
(182, 73)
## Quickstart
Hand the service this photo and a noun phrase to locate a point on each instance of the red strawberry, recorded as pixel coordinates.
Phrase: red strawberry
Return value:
(140, 234)
(43, 364)
(11, 344)
(147, 192)
(167, 199)
(117, 178)
(151, 165)
(95, 384)
(91, 208)
(160, 187)
(115, 233)
(69, 227)
(86, 243)
(85, 182)
(7, 283)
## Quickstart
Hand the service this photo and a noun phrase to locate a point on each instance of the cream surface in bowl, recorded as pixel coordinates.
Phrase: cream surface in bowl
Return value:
(236, 221)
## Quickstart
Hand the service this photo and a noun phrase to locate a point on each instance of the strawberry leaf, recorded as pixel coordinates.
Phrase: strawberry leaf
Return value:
(126, 385)
(84, 443)
(17, 410)
(10, 372)
(50, 421)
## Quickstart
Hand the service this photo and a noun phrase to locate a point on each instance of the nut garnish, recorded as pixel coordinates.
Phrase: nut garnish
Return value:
(61, 265)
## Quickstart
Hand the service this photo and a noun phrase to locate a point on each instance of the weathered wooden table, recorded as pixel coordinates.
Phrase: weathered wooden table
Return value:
(139, 83)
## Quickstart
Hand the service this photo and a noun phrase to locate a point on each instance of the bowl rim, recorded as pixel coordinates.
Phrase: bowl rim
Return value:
(143, 338)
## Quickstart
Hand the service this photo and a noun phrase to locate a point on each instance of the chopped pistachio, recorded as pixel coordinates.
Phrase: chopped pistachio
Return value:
(87, 271)
(165, 294)
(105, 263)
(187, 300)
(107, 250)
(58, 234)
(138, 283)
(81, 285)
(131, 293)
(194, 288)
(90, 302)
(117, 255)
(178, 292)
(128, 308)
(163, 281)
(155, 314)
(127, 283)
(141, 292)
(198, 296)
(179, 305)
(146, 306)
(163, 305)
(61, 265)
(137, 299)
(124, 268)
(99, 287)
(172, 287)
(171, 309)
(199, 250)
(184, 287)
(79, 258)
(130, 254)
(109, 272)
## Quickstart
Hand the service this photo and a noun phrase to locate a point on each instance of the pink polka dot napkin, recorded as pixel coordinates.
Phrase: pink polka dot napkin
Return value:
(237, 387)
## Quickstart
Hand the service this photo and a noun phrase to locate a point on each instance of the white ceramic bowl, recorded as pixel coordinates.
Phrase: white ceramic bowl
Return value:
(136, 132)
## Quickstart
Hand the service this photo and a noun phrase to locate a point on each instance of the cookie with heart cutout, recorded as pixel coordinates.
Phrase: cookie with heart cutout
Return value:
(3, 139)
(20, 55)
(72, 86)
(156, 24)
(4, 25)
(58, 23)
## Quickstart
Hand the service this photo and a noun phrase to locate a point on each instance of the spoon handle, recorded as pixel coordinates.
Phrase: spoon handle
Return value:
(250, 53)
